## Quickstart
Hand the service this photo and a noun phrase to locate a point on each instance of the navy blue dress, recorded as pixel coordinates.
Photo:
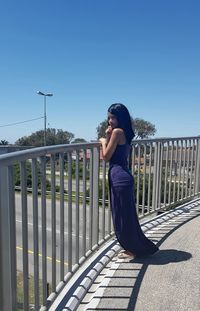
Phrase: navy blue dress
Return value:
(126, 224)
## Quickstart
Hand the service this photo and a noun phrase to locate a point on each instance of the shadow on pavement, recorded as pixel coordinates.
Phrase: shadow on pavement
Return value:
(162, 257)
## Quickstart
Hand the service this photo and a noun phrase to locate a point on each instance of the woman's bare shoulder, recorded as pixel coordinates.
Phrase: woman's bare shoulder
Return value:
(118, 131)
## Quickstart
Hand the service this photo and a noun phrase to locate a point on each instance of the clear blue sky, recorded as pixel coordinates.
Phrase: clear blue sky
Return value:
(92, 53)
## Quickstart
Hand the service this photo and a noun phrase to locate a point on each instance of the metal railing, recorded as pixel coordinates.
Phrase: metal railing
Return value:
(51, 224)
(166, 172)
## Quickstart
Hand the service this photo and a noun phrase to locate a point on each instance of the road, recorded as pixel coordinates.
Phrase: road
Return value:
(66, 182)
(49, 233)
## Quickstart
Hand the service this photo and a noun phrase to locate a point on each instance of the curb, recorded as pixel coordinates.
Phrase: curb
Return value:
(80, 292)
(184, 208)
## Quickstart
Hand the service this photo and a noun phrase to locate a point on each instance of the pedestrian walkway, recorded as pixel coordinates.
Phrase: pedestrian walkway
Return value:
(168, 280)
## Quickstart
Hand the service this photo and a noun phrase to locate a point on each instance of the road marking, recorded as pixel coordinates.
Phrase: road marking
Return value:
(40, 255)
(49, 229)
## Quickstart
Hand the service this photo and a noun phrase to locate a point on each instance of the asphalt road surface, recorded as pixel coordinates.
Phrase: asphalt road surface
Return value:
(19, 244)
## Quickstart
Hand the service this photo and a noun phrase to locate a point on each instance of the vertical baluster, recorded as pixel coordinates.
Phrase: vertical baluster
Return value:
(62, 215)
(150, 178)
(197, 167)
(23, 181)
(8, 265)
(84, 203)
(69, 212)
(77, 207)
(144, 179)
(183, 169)
(103, 197)
(35, 232)
(160, 177)
(155, 152)
(138, 179)
(12, 220)
(95, 204)
(155, 191)
(180, 167)
(133, 159)
(192, 169)
(44, 235)
(195, 164)
(166, 173)
(170, 171)
(175, 171)
(53, 222)
(187, 169)
(91, 200)
(158, 172)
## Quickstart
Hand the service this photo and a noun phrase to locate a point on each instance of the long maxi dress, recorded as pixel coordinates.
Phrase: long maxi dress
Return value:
(125, 220)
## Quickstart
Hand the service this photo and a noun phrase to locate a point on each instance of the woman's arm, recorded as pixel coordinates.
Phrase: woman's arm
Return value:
(109, 146)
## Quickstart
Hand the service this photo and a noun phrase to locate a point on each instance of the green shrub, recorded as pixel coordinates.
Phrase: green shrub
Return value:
(80, 170)
(17, 180)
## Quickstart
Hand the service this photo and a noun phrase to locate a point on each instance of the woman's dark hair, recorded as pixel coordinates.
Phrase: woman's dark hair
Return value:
(124, 120)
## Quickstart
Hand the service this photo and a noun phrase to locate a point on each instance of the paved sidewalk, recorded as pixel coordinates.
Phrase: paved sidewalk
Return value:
(166, 281)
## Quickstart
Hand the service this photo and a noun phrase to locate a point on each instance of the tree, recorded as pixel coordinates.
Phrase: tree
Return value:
(142, 128)
(53, 137)
(101, 128)
(78, 141)
(4, 142)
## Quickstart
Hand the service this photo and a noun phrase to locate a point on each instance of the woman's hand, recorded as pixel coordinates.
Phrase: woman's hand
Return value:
(108, 132)
(102, 140)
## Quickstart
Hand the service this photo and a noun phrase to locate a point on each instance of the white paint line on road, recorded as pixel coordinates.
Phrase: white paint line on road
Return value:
(49, 229)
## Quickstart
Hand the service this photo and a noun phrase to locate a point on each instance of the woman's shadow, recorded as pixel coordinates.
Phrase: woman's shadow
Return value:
(164, 257)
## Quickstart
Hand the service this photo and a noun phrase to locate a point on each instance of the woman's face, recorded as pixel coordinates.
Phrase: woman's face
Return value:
(112, 120)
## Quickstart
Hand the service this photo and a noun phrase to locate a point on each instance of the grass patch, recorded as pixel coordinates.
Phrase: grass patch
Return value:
(20, 292)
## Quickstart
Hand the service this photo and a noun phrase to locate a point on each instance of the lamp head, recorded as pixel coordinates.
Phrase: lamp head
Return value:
(41, 93)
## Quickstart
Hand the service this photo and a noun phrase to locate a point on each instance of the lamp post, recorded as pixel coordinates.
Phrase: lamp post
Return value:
(45, 115)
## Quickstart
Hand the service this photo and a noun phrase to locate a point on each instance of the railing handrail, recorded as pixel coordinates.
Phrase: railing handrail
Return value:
(6, 159)
(164, 139)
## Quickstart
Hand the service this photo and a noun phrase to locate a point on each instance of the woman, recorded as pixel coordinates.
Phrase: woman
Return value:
(115, 149)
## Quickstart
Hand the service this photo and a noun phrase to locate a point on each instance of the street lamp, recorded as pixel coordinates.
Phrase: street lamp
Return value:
(45, 115)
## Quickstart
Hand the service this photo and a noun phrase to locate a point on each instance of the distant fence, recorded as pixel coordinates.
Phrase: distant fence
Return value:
(51, 223)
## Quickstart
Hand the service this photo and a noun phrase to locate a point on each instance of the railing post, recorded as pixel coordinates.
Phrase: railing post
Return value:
(95, 195)
(156, 178)
(8, 299)
(197, 173)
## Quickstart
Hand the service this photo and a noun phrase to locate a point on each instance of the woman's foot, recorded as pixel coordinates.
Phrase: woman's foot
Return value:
(125, 255)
